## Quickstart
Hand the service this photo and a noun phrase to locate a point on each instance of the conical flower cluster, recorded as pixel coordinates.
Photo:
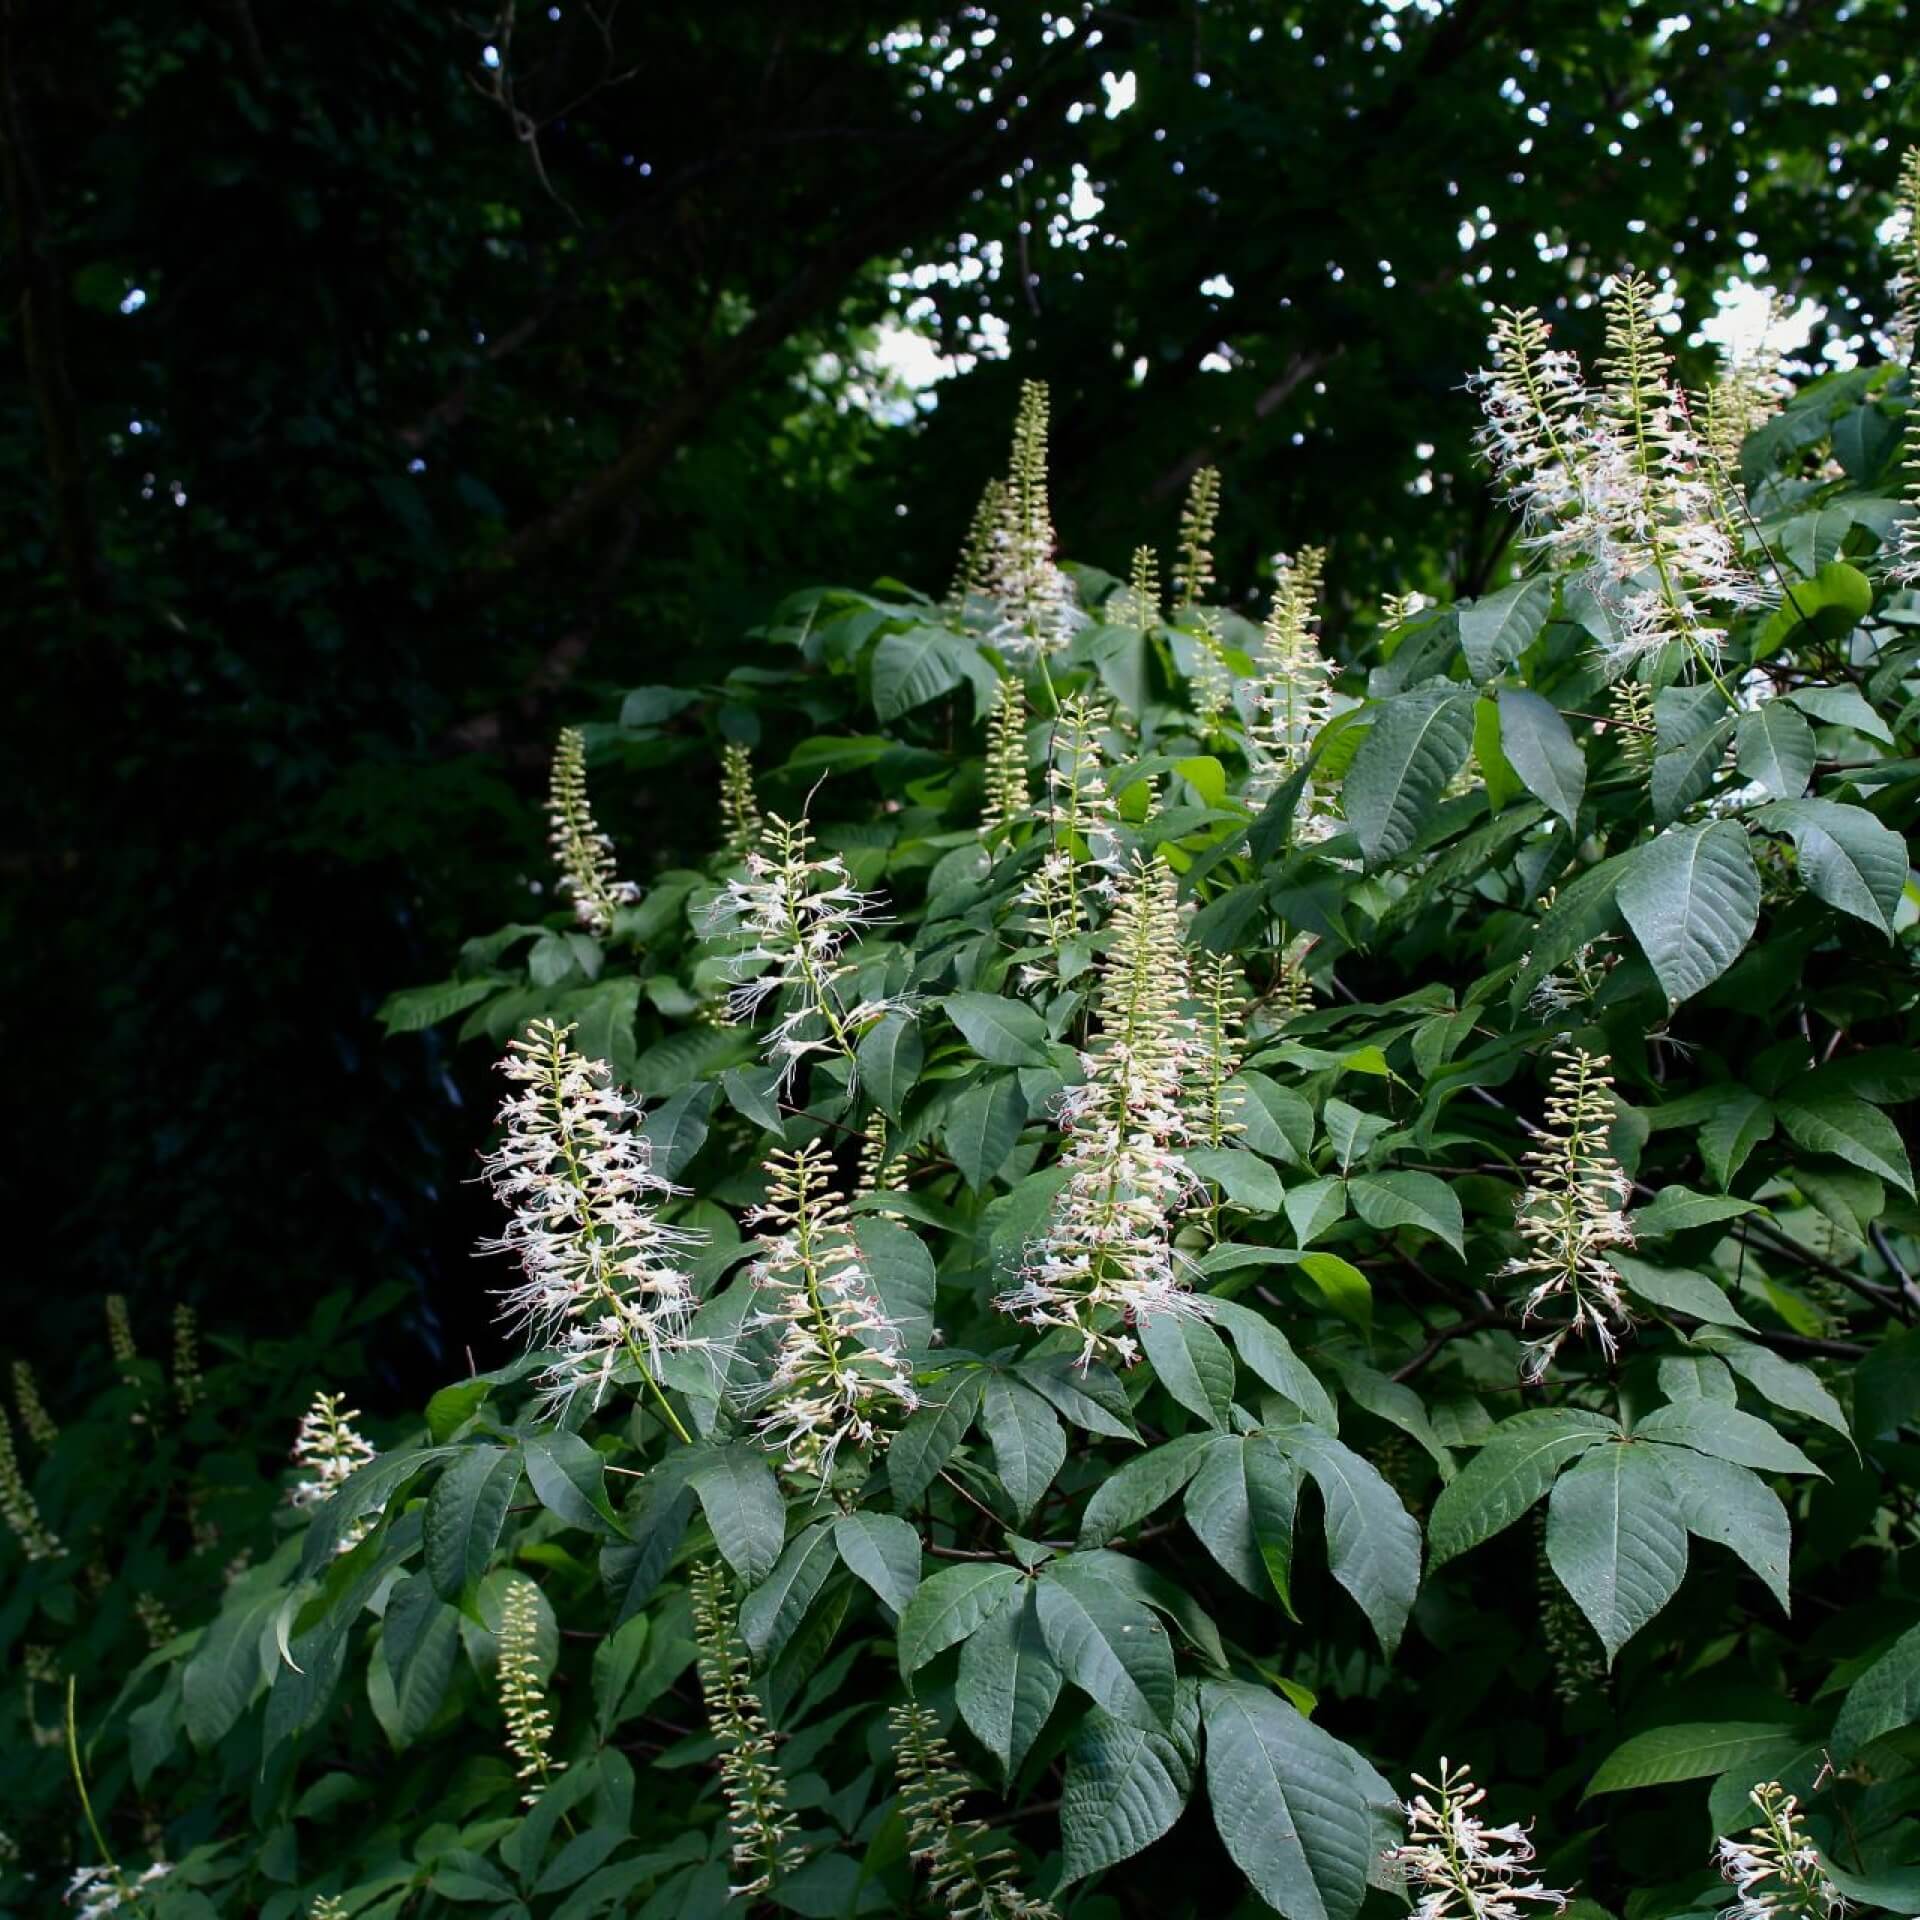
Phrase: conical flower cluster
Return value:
(329, 1450)
(840, 1371)
(797, 914)
(1905, 285)
(758, 1819)
(1293, 697)
(1008, 797)
(1034, 604)
(971, 1878)
(18, 1508)
(187, 1381)
(39, 1423)
(1220, 991)
(589, 875)
(1106, 1263)
(1569, 1215)
(740, 821)
(1465, 1869)
(523, 1691)
(1212, 683)
(1083, 835)
(1619, 476)
(601, 1275)
(1776, 1873)
(1137, 604)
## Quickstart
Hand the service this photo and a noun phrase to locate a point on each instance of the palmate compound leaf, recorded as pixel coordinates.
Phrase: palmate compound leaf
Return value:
(1617, 1539)
(1125, 1785)
(1299, 1812)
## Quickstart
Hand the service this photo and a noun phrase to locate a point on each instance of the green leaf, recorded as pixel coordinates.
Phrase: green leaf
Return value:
(414, 1009)
(1241, 1507)
(931, 1435)
(615, 1661)
(1498, 628)
(1543, 753)
(1677, 1209)
(1264, 1349)
(1108, 1644)
(1519, 1461)
(1244, 1178)
(1273, 1120)
(1784, 1382)
(1419, 742)
(889, 1057)
(1008, 1682)
(1028, 1445)
(1677, 1291)
(950, 1605)
(1695, 1750)
(1692, 898)
(1883, 1700)
(1343, 1287)
(677, 1129)
(741, 1499)
(901, 1269)
(1842, 707)
(1847, 857)
(1091, 1397)
(569, 1479)
(1734, 1509)
(1421, 1200)
(983, 1127)
(1311, 1209)
(367, 1491)
(452, 1407)
(1850, 1130)
(1192, 1363)
(771, 1614)
(223, 1674)
(1774, 746)
(911, 668)
(1125, 1786)
(1710, 1426)
(1288, 1804)
(1740, 1122)
(1141, 1487)
(1373, 1543)
(464, 1516)
(1004, 1033)
(883, 1551)
(1831, 604)
(1617, 1540)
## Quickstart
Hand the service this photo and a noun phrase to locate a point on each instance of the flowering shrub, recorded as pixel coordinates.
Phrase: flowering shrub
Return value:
(1174, 1226)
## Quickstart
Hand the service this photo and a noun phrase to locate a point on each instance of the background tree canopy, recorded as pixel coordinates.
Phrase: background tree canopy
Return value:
(380, 391)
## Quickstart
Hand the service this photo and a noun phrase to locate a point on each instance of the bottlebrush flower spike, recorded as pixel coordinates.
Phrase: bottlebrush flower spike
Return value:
(523, 1692)
(971, 1879)
(1293, 697)
(1905, 285)
(1199, 519)
(329, 1450)
(1037, 611)
(1137, 605)
(1465, 1869)
(1775, 1871)
(18, 1508)
(1220, 991)
(1107, 1263)
(602, 1279)
(34, 1416)
(187, 1382)
(1083, 826)
(589, 876)
(990, 526)
(740, 820)
(95, 1892)
(798, 913)
(755, 1790)
(1008, 797)
(1538, 432)
(1569, 1215)
(839, 1369)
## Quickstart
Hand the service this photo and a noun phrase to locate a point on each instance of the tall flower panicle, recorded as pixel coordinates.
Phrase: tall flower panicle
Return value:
(18, 1508)
(95, 1892)
(1082, 830)
(989, 528)
(1106, 1263)
(840, 1371)
(740, 821)
(1294, 693)
(602, 1279)
(1905, 285)
(156, 1622)
(1630, 715)
(1199, 521)
(1536, 405)
(1220, 994)
(797, 913)
(187, 1382)
(1775, 1871)
(39, 1423)
(1036, 608)
(879, 1169)
(1465, 1869)
(328, 1449)
(762, 1829)
(1008, 796)
(1569, 1215)
(1396, 609)
(589, 875)
(971, 1878)
(1137, 604)
(1292, 991)
(523, 1689)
